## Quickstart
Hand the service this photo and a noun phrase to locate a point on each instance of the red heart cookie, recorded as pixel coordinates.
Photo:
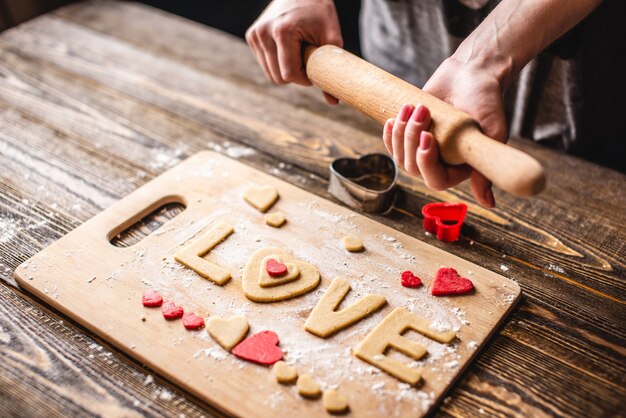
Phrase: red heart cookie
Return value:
(192, 321)
(444, 219)
(275, 268)
(410, 280)
(172, 311)
(151, 299)
(260, 348)
(448, 282)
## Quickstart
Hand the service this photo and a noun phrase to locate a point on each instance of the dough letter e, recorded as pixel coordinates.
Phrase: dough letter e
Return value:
(388, 334)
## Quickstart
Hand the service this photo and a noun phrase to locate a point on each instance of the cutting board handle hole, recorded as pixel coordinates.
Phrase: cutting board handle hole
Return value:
(146, 221)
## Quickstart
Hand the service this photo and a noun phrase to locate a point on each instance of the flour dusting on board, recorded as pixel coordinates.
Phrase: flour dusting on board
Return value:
(330, 360)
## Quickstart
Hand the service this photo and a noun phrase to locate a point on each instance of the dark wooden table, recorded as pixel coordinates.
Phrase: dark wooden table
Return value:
(98, 98)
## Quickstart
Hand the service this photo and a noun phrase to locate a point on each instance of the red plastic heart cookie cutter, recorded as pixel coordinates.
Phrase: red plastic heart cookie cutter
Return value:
(444, 219)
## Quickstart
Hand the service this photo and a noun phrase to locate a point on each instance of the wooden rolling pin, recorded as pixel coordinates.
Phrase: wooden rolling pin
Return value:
(380, 95)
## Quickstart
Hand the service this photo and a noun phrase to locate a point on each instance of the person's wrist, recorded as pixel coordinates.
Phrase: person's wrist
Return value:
(492, 62)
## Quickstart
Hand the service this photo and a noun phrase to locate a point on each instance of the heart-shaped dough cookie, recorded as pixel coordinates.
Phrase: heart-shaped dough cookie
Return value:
(261, 198)
(276, 219)
(260, 348)
(309, 277)
(334, 402)
(228, 332)
(266, 280)
(308, 387)
(284, 373)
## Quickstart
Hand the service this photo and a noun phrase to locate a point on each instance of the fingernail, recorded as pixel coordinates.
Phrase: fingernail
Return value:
(420, 114)
(424, 141)
(405, 112)
(491, 201)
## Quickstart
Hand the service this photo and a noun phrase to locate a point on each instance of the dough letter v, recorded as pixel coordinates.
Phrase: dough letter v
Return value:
(325, 320)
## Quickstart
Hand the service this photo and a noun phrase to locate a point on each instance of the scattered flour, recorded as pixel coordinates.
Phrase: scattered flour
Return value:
(5, 338)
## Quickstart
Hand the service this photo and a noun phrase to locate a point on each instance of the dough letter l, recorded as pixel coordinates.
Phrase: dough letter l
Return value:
(191, 255)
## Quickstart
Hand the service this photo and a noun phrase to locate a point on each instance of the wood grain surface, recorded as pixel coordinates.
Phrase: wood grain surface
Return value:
(100, 97)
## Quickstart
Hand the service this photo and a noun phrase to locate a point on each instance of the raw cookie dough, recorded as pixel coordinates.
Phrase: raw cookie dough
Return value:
(309, 278)
(228, 332)
(265, 280)
(284, 373)
(334, 402)
(191, 255)
(275, 219)
(192, 321)
(171, 311)
(262, 197)
(261, 348)
(388, 334)
(308, 387)
(325, 319)
(352, 244)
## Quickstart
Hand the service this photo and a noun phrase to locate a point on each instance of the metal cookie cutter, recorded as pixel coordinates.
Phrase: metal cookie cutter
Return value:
(366, 183)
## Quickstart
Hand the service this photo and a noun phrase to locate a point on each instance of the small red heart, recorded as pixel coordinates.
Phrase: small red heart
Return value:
(172, 311)
(444, 219)
(448, 282)
(410, 280)
(275, 268)
(192, 321)
(151, 299)
(260, 348)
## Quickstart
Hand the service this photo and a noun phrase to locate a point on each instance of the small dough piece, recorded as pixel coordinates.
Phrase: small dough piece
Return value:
(308, 387)
(309, 278)
(261, 198)
(191, 255)
(265, 280)
(388, 334)
(325, 320)
(192, 321)
(353, 244)
(284, 373)
(228, 332)
(275, 219)
(334, 402)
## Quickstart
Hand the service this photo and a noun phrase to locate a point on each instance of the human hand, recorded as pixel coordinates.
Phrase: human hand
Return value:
(474, 90)
(278, 35)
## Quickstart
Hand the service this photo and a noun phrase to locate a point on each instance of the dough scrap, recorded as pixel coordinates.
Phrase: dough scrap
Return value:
(265, 280)
(275, 219)
(284, 373)
(191, 255)
(388, 334)
(308, 387)
(309, 278)
(262, 198)
(334, 402)
(353, 244)
(228, 332)
(325, 320)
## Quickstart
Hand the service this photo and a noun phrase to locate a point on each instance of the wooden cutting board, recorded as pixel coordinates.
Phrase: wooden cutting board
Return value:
(100, 285)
